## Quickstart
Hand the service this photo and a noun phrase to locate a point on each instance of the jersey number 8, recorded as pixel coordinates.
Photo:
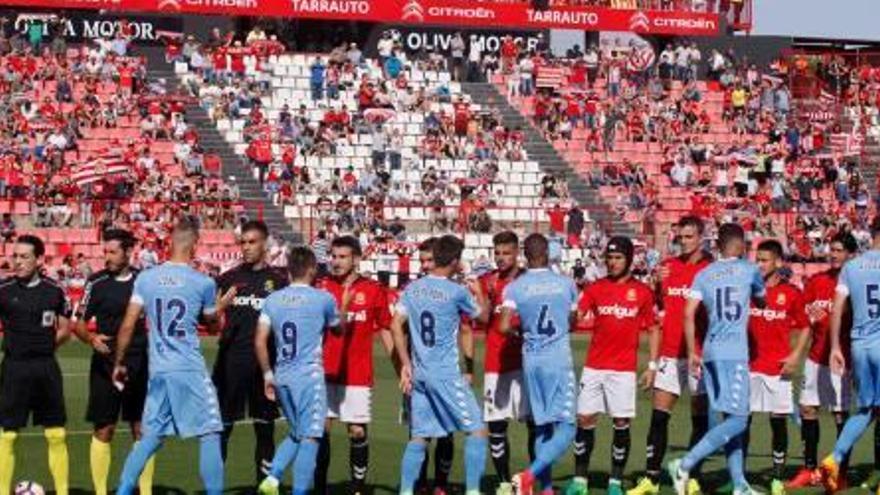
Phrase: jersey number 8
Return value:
(426, 321)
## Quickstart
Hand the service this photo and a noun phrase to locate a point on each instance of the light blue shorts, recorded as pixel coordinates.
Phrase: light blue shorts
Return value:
(727, 386)
(442, 405)
(181, 403)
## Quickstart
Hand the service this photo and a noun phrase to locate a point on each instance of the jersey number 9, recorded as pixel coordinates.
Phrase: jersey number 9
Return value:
(288, 339)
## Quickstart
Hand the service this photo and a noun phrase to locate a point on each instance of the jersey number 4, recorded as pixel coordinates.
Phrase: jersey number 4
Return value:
(545, 322)
(178, 306)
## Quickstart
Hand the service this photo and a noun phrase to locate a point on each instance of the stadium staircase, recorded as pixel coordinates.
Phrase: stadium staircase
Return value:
(548, 158)
(257, 203)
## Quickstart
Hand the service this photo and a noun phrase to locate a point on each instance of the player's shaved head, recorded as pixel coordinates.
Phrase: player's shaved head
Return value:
(184, 237)
(731, 239)
(302, 263)
(537, 251)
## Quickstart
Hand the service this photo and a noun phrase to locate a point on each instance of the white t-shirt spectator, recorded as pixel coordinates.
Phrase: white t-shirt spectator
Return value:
(58, 140)
(384, 47)
(526, 66)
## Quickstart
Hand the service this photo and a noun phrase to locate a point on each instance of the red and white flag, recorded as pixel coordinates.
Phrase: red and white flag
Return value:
(550, 77)
(99, 169)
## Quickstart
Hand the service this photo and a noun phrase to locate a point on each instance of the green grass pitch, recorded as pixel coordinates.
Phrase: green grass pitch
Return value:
(177, 462)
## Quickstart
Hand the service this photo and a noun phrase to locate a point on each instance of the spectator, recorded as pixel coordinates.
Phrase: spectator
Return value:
(7, 228)
(316, 79)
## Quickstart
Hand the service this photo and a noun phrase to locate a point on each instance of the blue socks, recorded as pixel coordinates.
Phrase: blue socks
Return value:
(135, 462)
(304, 466)
(474, 461)
(284, 455)
(552, 443)
(728, 434)
(411, 465)
(211, 463)
(853, 429)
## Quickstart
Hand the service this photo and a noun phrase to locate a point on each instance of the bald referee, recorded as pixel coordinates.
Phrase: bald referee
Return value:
(35, 313)
(106, 297)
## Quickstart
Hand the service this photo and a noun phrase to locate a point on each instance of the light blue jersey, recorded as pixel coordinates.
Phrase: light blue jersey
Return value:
(726, 288)
(298, 316)
(544, 301)
(174, 296)
(860, 280)
(434, 307)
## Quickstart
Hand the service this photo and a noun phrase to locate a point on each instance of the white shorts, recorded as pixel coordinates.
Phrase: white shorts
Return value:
(504, 397)
(770, 394)
(822, 388)
(607, 392)
(673, 376)
(349, 403)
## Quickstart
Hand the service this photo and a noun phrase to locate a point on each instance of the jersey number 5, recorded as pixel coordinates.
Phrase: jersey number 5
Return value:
(726, 307)
(179, 308)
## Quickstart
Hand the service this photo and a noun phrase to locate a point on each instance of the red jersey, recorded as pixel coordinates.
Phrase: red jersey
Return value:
(348, 358)
(503, 352)
(770, 328)
(674, 289)
(818, 300)
(621, 310)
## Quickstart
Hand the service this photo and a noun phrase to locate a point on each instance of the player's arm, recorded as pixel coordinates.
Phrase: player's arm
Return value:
(483, 308)
(466, 343)
(62, 330)
(123, 340)
(261, 349)
(690, 332)
(62, 322)
(841, 297)
(801, 324)
(400, 347)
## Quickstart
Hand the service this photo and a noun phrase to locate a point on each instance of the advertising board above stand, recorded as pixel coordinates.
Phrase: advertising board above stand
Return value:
(463, 13)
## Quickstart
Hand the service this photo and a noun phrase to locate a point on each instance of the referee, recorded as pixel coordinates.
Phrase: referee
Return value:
(35, 313)
(237, 375)
(106, 298)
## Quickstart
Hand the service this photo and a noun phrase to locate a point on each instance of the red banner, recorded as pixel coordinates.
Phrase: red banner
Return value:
(444, 12)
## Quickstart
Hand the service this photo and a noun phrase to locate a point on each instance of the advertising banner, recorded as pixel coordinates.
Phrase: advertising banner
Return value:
(463, 13)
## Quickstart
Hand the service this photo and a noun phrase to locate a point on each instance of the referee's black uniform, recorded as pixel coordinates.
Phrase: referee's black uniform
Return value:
(106, 300)
(30, 378)
(237, 374)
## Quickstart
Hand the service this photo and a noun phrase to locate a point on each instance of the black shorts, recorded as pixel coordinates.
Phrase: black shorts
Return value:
(239, 383)
(31, 386)
(106, 403)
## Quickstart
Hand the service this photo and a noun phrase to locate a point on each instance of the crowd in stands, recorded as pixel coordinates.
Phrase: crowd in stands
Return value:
(89, 141)
(650, 132)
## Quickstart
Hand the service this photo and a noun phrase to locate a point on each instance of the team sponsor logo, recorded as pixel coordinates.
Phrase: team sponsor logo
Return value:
(357, 316)
(682, 23)
(251, 301)
(682, 291)
(48, 318)
(617, 311)
(631, 295)
(350, 7)
(413, 11)
(818, 310)
(639, 21)
(768, 314)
